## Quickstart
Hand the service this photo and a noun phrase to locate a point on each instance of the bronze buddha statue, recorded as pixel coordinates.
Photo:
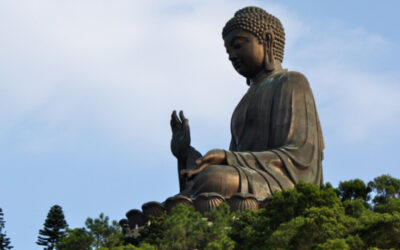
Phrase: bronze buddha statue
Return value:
(276, 133)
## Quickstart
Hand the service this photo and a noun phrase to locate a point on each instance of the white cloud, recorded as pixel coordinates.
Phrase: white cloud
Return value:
(356, 106)
(123, 66)
(357, 99)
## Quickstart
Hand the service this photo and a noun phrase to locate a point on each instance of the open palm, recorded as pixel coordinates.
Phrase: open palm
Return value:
(180, 141)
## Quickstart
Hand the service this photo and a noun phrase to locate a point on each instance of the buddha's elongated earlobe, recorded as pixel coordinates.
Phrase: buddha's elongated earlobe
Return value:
(269, 60)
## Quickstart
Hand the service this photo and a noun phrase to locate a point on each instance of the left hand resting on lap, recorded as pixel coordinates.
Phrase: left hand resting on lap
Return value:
(213, 157)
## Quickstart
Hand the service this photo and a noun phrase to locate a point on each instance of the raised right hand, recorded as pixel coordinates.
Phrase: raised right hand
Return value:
(180, 141)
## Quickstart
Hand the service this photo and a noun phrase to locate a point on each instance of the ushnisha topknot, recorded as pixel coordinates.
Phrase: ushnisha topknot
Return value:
(258, 22)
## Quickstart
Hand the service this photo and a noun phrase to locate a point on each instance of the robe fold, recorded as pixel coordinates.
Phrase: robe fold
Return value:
(276, 136)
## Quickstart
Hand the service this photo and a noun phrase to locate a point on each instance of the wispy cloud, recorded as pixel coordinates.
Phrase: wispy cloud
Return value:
(356, 95)
(122, 67)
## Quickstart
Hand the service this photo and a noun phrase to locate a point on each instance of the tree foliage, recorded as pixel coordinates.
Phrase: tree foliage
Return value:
(386, 187)
(104, 234)
(5, 242)
(305, 217)
(185, 228)
(354, 189)
(78, 239)
(380, 230)
(99, 233)
(54, 228)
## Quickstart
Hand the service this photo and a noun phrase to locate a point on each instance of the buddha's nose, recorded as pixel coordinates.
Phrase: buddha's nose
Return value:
(232, 56)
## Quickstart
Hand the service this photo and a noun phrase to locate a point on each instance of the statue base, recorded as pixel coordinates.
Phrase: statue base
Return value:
(203, 203)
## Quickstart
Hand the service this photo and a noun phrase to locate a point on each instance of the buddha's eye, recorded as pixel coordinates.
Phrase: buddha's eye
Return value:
(237, 46)
(238, 43)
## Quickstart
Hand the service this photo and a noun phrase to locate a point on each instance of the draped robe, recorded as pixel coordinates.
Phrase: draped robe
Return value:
(276, 136)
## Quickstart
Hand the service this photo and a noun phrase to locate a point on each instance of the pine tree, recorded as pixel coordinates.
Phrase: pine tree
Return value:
(104, 234)
(54, 228)
(4, 241)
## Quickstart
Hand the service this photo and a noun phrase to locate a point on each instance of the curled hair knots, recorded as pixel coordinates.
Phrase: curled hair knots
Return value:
(258, 22)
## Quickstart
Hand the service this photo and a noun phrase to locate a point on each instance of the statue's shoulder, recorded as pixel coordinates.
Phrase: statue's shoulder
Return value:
(293, 79)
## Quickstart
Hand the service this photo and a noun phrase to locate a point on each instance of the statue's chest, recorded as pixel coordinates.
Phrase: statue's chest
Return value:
(251, 117)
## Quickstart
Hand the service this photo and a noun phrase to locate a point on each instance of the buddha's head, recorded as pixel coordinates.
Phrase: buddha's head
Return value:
(254, 41)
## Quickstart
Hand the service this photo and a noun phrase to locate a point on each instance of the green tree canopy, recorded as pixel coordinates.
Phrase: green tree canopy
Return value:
(185, 228)
(98, 234)
(104, 233)
(77, 239)
(379, 230)
(386, 187)
(305, 217)
(354, 189)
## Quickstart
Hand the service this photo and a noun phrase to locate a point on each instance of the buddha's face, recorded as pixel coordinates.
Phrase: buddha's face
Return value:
(245, 52)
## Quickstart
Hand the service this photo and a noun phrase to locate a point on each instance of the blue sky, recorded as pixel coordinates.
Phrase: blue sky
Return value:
(87, 88)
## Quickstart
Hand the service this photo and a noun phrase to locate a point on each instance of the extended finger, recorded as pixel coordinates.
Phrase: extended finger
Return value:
(175, 123)
(182, 116)
(185, 121)
(174, 117)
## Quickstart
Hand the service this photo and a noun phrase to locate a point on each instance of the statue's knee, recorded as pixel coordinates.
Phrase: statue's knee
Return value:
(215, 172)
(212, 169)
(220, 173)
(216, 178)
